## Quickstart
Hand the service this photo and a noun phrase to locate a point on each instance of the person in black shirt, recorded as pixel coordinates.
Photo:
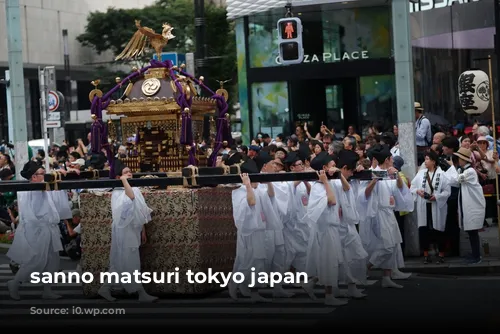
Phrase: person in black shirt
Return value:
(452, 232)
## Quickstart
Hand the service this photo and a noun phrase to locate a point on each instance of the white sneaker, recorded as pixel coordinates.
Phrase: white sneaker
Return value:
(330, 300)
(233, 290)
(309, 288)
(245, 291)
(13, 287)
(49, 295)
(256, 298)
(105, 293)
(388, 283)
(399, 275)
(279, 292)
(354, 292)
(340, 293)
(146, 298)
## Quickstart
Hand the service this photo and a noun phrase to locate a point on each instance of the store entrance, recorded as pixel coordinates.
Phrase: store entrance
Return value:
(333, 103)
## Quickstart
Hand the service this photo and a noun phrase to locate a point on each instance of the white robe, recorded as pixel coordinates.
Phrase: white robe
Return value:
(442, 190)
(355, 256)
(355, 186)
(37, 241)
(365, 227)
(384, 237)
(129, 217)
(62, 203)
(292, 206)
(275, 244)
(324, 253)
(473, 203)
(251, 234)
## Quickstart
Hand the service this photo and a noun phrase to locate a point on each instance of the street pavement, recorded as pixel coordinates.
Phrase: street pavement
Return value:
(430, 302)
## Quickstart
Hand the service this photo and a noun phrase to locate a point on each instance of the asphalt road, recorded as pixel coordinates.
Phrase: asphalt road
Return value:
(425, 303)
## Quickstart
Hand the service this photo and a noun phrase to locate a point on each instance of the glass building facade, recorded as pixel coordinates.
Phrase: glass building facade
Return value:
(448, 40)
(347, 76)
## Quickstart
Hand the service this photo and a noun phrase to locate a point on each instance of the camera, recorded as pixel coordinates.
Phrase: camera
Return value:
(7, 144)
(427, 196)
(443, 162)
(13, 207)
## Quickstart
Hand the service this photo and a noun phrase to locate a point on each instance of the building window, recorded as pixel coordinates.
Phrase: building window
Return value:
(329, 34)
(377, 101)
(270, 110)
(263, 38)
(83, 102)
(356, 33)
(446, 42)
(242, 78)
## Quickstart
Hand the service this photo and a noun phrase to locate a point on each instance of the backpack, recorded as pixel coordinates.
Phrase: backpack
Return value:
(73, 249)
(432, 129)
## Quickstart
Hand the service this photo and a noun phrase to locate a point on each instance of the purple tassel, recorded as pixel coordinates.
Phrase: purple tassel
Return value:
(223, 128)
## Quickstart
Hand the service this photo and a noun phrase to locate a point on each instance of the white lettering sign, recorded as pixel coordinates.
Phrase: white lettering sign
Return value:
(304, 116)
(425, 5)
(328, 57)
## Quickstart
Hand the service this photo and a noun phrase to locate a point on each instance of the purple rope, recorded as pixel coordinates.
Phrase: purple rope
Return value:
(222, 124)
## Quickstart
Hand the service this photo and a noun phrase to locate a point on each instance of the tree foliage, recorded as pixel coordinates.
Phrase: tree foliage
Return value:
(111, 31)
(107, 75)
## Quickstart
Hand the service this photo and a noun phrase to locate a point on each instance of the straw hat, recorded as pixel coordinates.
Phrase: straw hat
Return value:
(464, 154)
(418, 106)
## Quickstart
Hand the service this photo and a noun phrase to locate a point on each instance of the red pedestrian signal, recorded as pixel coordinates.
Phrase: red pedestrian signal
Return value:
(288, 29)
(290, 41)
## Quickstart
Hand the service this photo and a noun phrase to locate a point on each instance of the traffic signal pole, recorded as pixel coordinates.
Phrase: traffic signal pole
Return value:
(201, 46)
(403, 63)
(16, 85)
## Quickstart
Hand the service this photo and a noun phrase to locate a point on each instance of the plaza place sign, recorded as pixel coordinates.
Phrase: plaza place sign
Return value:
(425, 5)
(328, 57)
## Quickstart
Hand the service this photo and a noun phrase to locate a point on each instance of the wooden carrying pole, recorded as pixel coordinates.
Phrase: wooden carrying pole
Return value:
(494, 132)
(190, 180)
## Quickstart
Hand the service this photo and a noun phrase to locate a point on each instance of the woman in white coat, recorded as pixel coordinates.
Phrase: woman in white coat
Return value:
(431, 189)
(471, 202)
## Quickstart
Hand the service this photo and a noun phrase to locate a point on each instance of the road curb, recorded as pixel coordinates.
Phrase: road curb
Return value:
(4, 248)
(455, 269)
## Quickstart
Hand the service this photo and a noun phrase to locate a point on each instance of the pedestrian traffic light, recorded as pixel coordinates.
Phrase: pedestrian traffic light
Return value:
(290, 41)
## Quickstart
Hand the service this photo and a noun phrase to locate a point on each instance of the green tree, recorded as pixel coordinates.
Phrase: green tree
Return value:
(111, 31)
(108, 75)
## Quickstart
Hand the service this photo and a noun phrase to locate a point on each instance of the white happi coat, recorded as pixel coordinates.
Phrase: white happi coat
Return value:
(355, 256)
(471, 198)
(251, 233)
(442, 190)
(292, 205)
(324, 253)
(37, 241)
(129, 217)
(384, 238)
